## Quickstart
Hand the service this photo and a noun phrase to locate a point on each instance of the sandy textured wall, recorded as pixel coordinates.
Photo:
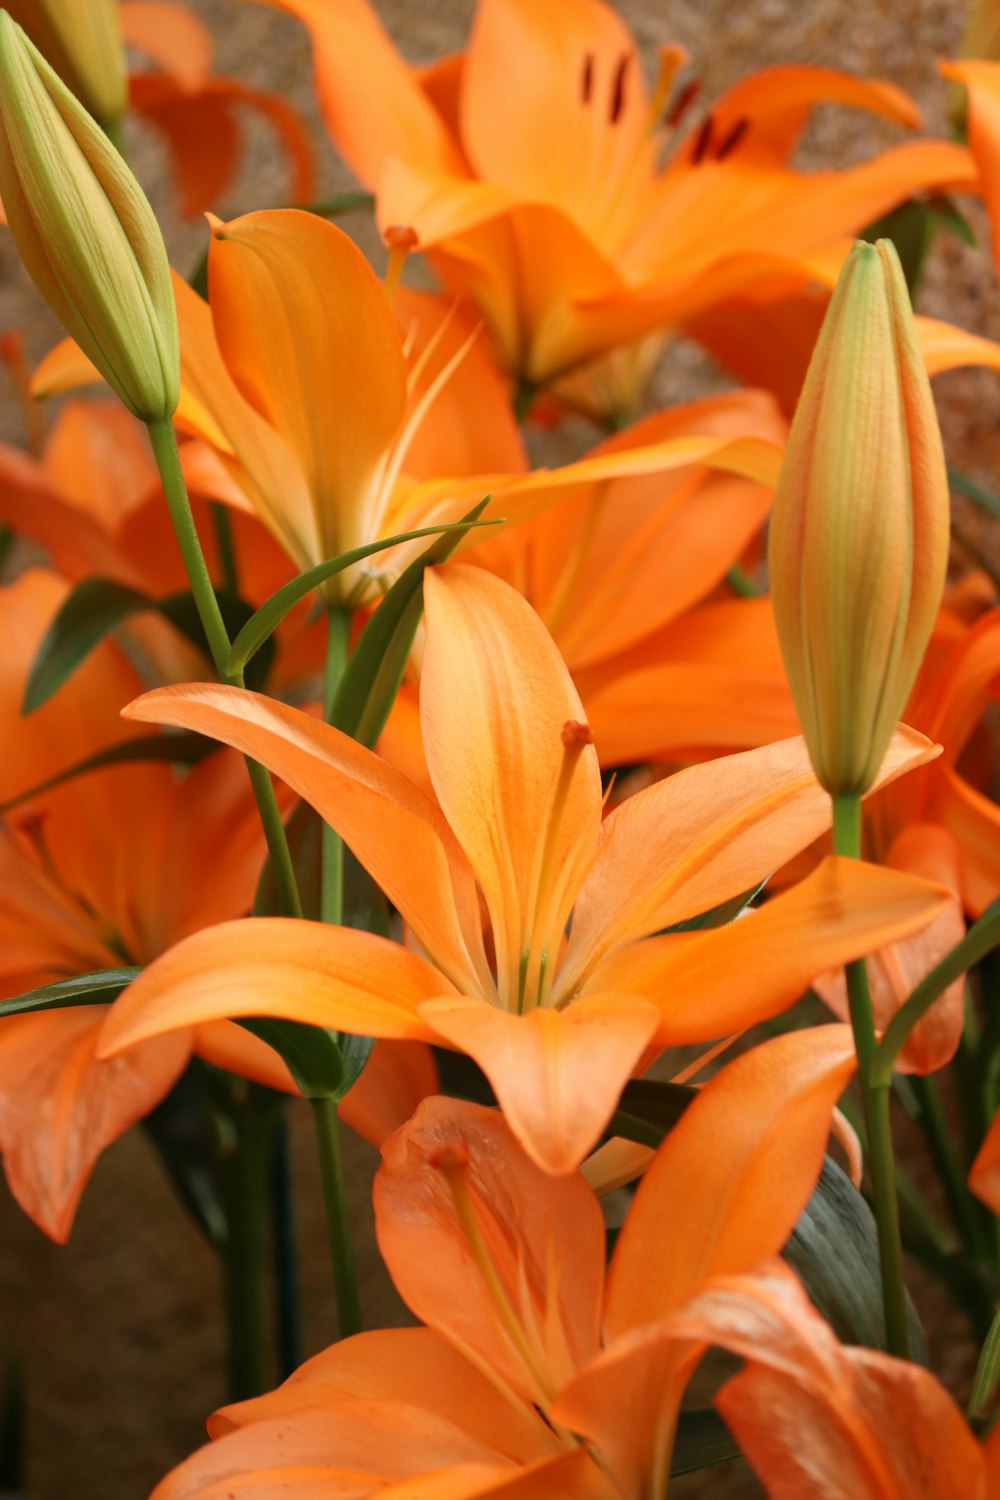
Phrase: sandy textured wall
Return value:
(117, 1333)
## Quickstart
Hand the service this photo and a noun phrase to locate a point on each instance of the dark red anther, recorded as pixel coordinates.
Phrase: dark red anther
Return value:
(732, 139)
(587, 80)
(702, 141)
(618, 89)
(682, 103)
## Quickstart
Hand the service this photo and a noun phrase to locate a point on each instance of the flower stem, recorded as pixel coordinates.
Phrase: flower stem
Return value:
(345, 1279)
(244, 1255)
(164, 443)
(338, 629)
(847, 841)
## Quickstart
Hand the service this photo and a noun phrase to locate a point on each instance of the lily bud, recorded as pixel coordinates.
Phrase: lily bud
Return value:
(859, 531)
(82, 39)
(85, 231)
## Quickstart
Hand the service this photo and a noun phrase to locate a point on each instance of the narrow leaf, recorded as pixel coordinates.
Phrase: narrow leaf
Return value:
(265, 621)
(371, 680)
(179, 749)
(81, 989)
(323, 1064)
(719, 916)
(987, 1370)
(984, 498)
(95, 607)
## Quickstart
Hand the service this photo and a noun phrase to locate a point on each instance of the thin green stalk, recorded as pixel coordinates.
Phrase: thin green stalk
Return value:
(244, 1253)
(847, 841)
(935, 1127)
(224, 543)
(164, 442)
(286, 1278)
(338, 631)
(345, 1280)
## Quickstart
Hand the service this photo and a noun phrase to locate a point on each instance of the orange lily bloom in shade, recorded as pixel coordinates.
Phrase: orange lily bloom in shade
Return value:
(558, 1026)
(982, 81)
(587, 213)
(83, 888)
(817, 1418)
(506, 1269)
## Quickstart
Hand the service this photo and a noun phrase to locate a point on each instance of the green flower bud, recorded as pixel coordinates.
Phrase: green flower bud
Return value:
(82, 39)
(859, 530)
(85, 231)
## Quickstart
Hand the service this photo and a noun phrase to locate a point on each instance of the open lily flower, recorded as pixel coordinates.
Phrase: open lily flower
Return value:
(494, 1396)
(557, 1024)
(83, 888)
(592, 213)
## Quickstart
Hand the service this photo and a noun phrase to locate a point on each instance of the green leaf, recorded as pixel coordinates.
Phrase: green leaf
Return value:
(987, 1370)
(99, 605)
(265, 621)
(984, 498)
(95, 607)
(323, 1064)
(182, 612)
(719, 916)
(82, 989)
(833, 1249)
(371, 679)
(702, 1439)
(179, 749)
(912, 226)
(649, 1110)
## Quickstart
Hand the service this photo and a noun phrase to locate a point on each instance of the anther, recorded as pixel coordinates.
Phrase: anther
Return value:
(618, 89)
(587, 80)
(682, 103)
(732, 139)
(702, 141)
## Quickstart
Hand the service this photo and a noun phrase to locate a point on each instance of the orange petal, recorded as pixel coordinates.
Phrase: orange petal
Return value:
(557, 1074)
(778, 101)
(702, 836)
(984, 1174)
(396, 832)
(372, 101)
(929, 851)
(495, 702)
(274, 966)
(982, 79)
(171, 35)
(60, 1105)
(395, 1079)
(229, 1046)
(732, 1177)
(543, 1238)
(307, 334)
(711, 983)
(946, 347)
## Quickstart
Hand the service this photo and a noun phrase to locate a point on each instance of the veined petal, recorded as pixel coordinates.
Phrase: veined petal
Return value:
(60, 1105)
(394, 1080)
(277, 966)
(372, 101)
(707, 984)
(558, 1075)
(396, 832)
(542, 1237)
(778, 101)
(982, 79)
(496, 706)
(974, 819)
(732, 1177)
(702, 836)
(308, 336)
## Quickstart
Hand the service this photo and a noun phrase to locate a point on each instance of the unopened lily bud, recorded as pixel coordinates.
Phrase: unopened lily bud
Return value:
(85, 231)
(859, 531)
(82, 39)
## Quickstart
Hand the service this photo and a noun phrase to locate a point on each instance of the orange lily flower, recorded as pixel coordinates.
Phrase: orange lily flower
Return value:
(556, 215)
(506, 1268)
(557, 1025)
(325, 414)
(83, 888)
(982, 81)
(814, 1417)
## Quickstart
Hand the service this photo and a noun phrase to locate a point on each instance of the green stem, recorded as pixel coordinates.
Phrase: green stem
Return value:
(244, 1254)
(345, 1279)
(338, 632)
(935, 1127)
(847, 841)
(164, 442)
(224, 543)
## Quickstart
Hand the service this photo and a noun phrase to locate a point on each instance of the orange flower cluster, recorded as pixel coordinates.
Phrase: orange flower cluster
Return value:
(464, 851)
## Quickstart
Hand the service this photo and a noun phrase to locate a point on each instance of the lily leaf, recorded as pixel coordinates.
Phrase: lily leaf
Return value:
(833, 1249)
(371, 679)
(719, 916)
(702, 1439)
(99, 605)
(649, 1110)
(323, 1064)
(264, 622)
(179, 749)
(81, 989)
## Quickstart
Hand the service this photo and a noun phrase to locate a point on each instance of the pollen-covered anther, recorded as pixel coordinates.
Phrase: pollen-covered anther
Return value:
(679, 108)
(733, 138)
(702, 141)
